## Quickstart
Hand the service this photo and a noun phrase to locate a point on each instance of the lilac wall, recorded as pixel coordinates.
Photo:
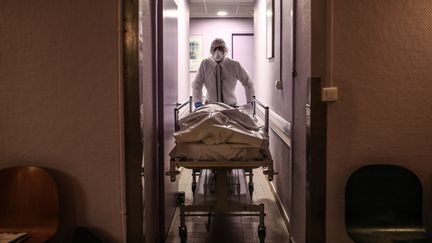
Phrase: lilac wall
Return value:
(289, 103)
(219, 28)
(381, 64)
(270, 69)
(60, 105)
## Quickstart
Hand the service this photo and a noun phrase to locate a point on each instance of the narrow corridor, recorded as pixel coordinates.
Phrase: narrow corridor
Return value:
(232, 229)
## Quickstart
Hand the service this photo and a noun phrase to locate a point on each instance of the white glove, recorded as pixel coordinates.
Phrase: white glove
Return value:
(247, 108)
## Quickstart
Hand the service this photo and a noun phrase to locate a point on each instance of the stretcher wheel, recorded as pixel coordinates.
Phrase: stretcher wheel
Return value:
(181, 198)
(208, 222)
(183, 234)
(261, 233)
(194, 185)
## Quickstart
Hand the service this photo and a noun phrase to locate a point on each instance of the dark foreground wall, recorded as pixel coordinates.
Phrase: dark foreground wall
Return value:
(60, 105)
(381, 64)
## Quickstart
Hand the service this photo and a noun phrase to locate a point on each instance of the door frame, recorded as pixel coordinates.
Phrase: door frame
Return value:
(139, 143)
(232, 40)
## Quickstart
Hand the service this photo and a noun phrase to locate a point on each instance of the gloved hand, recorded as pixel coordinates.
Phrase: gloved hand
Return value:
(198, 104)
(247, 108)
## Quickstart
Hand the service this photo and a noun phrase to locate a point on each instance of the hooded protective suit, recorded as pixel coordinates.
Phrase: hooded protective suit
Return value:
(220, 79)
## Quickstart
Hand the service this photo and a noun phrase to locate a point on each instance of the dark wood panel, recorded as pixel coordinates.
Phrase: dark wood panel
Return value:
(29, 203)
(316, 149)
(132, 129)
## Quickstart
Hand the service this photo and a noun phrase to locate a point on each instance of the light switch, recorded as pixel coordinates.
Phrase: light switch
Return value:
(329, 94)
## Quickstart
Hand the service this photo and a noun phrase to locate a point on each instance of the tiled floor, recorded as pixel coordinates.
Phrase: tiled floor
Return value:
(232, 229)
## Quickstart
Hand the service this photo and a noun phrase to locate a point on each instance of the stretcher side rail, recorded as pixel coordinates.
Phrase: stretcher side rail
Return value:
(256, 102)
(177, 110)
(267, 165)
(220, 205)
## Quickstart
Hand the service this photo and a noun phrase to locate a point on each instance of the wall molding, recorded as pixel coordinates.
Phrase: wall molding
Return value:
(280, 126)
(282, 210)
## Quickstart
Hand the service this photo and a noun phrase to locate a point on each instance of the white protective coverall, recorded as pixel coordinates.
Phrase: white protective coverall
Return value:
(231, 71)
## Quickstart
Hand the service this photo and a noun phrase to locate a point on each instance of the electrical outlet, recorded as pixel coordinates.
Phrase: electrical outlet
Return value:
(329, 94)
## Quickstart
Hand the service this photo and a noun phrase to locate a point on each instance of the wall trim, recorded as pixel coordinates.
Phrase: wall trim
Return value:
(282, 210)
(280, 126)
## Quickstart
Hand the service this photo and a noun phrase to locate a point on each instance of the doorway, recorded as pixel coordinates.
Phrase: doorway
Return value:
(243, 46)
(167, 85)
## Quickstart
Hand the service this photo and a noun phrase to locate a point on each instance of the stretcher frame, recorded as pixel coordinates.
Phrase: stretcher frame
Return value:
(221, 206)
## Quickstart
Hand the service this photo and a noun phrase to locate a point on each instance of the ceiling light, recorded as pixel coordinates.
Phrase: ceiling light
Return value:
(222, 13)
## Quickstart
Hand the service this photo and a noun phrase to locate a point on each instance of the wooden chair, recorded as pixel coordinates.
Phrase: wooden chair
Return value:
(384, 204)
(28, 202)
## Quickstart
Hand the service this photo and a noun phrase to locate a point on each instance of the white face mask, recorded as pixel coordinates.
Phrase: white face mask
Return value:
(218, 55)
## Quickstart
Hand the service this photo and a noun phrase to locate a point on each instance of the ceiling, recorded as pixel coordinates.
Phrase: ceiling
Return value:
(209, 8)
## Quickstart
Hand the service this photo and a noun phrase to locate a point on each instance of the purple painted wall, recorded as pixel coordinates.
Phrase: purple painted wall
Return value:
(289, 102)
(243, 50)
(270, 69)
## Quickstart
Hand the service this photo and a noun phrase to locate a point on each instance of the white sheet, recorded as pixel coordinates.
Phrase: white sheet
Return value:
(217, 132)
(218, 123)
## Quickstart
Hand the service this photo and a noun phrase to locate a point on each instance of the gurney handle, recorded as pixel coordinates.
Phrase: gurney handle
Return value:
(254, 103)
(270, 174)
(176, 111)
(266, 114)
(172, 174)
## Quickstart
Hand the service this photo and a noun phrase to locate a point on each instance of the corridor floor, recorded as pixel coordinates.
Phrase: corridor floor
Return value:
(232, 229)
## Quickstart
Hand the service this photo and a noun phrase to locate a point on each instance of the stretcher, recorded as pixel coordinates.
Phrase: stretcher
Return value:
(222, 181)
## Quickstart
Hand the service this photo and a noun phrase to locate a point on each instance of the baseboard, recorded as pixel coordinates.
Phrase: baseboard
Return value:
(284, 214)
(280, 126)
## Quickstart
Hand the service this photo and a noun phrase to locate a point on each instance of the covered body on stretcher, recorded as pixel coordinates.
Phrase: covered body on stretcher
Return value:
(220, 132)
(220, 138)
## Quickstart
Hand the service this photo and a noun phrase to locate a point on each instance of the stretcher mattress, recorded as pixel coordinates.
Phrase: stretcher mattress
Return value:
(219, 132)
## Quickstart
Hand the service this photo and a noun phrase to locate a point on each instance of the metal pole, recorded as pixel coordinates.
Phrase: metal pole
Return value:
(190, 104)
(267, 119)
(254, 105)
(176, 113)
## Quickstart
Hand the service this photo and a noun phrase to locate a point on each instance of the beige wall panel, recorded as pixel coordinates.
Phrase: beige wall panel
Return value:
(59, 102)
(381, 54)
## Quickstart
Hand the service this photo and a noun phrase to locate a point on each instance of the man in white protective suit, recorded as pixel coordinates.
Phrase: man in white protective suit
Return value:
(219, 74)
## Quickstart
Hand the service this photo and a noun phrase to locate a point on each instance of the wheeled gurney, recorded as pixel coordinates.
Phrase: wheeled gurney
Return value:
(222, 169)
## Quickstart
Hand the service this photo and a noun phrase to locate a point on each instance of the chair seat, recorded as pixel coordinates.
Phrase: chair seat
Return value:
(40, 234)
(29, 203)
(384, 205)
